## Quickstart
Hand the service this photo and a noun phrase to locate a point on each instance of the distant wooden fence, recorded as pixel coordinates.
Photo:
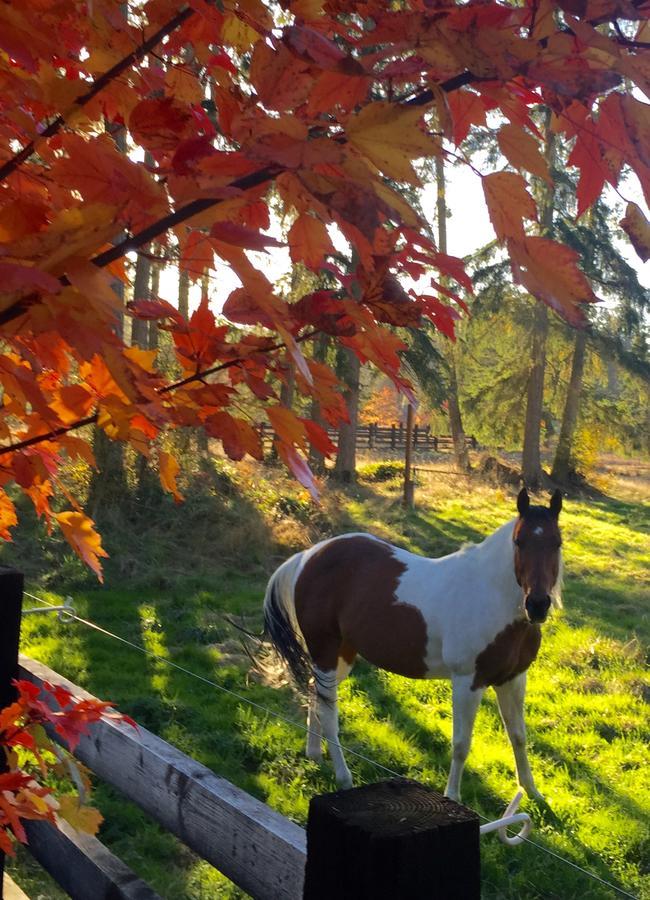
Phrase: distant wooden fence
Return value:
(384, 841)
(389, 437)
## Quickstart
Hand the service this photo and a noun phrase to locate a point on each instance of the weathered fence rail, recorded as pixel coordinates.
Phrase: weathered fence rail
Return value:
(260, 850)
(374, 436)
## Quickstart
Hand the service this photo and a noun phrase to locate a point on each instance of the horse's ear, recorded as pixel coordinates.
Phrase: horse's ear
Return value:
(556, 502)
(523, 501)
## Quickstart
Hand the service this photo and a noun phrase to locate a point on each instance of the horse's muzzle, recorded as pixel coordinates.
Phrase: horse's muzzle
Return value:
(537, 608)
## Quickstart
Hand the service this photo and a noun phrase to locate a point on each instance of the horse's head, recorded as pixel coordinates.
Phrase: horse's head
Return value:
(538, 545)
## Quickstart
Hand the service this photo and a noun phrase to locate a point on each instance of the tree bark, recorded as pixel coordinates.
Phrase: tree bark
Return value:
(461, 456)
(183, 293)
(316, 458)
(345, 468)
(141, 291)
(564, 451)
(531, 464)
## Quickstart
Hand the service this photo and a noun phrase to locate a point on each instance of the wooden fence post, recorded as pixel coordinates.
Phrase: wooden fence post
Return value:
(395, 840)
(11, 601)
(392, 436)
(408, 481)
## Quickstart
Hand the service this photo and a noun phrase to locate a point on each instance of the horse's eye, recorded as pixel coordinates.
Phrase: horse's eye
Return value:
(519, 543)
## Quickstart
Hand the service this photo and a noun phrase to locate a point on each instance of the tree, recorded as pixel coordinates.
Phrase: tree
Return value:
(292, 108)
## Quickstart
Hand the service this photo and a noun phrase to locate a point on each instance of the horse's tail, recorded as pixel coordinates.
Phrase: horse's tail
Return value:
(280, 623)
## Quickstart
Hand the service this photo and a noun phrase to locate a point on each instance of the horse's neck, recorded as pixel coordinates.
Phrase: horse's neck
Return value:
(493, 559)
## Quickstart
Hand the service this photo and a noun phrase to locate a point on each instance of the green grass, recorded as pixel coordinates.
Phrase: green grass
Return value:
(588, 696)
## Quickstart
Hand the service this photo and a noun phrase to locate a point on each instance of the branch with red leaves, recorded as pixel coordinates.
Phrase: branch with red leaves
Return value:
(32, 757)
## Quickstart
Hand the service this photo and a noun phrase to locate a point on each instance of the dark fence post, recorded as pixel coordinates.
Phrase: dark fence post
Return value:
(392, 436)
(395, 840)
(11, 601)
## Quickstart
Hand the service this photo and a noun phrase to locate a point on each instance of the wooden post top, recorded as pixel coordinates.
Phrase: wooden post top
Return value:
(395, 840)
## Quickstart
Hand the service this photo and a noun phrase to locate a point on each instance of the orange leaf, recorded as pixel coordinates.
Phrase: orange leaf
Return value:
(309, 241)
(237, 436)
(508, 204)
(72, 403)
(637, 228)
(168, 469)
(522, 150)
(8, 517)
(467, 109)
(549, 271)
(288, 427)
(78, 530)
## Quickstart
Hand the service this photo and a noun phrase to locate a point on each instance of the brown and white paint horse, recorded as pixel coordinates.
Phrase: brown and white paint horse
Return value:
(473, 616)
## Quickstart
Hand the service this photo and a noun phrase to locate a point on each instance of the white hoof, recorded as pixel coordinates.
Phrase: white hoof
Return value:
(344, 782)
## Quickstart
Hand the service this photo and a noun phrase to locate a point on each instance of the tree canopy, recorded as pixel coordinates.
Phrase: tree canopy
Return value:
(320, 107)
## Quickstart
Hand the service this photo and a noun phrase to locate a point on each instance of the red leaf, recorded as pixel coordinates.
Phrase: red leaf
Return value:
(27, 278)
(240, 236)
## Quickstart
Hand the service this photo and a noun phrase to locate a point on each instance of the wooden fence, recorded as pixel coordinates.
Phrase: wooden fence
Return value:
(393, 839)
(389, 437)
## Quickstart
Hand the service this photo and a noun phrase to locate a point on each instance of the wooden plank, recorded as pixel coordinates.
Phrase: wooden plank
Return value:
(11, 891)
(83, 866)
(257, 848)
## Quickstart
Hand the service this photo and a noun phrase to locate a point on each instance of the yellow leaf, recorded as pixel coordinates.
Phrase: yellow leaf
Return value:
(237, 33)
(168, 469)
(79, 532)
(508, 204)
(389, 136)
(82, 818)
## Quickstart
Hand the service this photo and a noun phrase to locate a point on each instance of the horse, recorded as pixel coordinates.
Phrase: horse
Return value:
(473, 617)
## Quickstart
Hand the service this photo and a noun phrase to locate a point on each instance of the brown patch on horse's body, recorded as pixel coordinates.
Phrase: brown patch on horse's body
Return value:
(345, 604)
(510, 653)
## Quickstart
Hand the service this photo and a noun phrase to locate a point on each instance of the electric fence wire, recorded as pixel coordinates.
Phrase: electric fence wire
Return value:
(289, 721)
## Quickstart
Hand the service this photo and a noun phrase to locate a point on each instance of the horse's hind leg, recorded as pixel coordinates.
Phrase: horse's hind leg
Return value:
(314, 748)
(510, 697)
(327, 699)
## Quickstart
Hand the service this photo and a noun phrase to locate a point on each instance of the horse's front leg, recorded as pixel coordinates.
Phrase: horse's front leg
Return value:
(465, 704)
(510, 697)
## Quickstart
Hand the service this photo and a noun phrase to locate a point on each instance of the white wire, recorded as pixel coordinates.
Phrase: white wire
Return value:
(304, 728)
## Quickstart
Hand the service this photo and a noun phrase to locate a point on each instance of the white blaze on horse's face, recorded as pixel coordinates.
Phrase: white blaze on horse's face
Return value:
(537, 543)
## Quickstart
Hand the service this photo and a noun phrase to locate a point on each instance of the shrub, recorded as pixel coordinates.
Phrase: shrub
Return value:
(381, 471)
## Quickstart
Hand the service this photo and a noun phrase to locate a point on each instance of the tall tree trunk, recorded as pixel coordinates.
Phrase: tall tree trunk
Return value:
(564, 451)
(316, 458)
(349, 369)
(531, 464)
(461, 456)
(141, 291)
(152, 342)
(183, 293)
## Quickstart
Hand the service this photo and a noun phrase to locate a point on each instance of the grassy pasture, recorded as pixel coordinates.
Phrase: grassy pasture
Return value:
(588, 700)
